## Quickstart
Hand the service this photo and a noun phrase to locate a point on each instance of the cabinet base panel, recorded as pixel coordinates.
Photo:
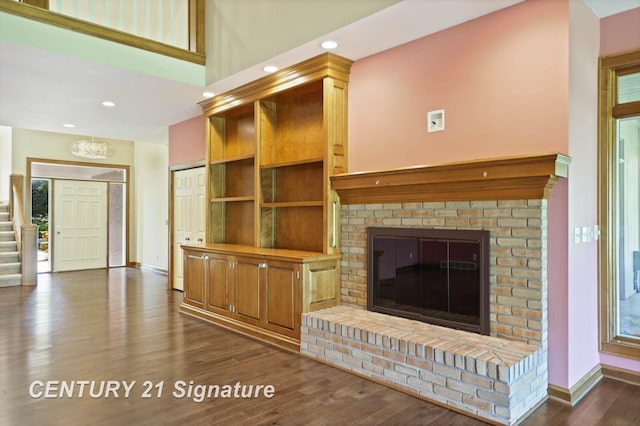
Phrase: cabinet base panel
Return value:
(266, 336)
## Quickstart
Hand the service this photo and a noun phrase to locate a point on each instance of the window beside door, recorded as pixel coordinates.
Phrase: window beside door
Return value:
(40, 201)
(619, 211)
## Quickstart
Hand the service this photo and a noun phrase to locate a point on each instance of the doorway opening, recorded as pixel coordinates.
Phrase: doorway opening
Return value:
(69, 237)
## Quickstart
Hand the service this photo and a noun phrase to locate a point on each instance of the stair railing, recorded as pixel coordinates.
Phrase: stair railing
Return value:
(26, 233)
(170, 27)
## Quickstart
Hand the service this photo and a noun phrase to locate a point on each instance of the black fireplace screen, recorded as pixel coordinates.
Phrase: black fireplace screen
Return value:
(432, 275)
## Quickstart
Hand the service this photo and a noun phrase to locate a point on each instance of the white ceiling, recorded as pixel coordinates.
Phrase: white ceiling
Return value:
(42, 90)
(604, 8)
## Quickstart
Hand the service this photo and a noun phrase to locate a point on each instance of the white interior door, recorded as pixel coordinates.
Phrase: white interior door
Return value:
(200, 226)
(80, 225)
(189, 215)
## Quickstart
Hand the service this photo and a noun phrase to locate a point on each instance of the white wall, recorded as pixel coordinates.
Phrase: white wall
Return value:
(151, 208)
(242, 33)
(56, 146)
(5, 162)
(148, 192)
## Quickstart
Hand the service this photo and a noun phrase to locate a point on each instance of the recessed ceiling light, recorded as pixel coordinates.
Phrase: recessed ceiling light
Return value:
(270, 68)
(208, 94)
(329, 44)
(69, 125)
(108, 104)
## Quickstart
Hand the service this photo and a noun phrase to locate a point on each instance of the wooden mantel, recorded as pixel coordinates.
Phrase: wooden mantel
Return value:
(507, 178)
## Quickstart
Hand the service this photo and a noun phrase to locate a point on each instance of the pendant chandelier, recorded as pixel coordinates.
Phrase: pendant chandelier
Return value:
(92, 149)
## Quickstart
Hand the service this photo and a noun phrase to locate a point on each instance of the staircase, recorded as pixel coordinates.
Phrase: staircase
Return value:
(10, 266)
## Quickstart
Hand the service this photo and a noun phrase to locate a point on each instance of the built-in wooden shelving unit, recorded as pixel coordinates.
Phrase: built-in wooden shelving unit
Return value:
(271, 249)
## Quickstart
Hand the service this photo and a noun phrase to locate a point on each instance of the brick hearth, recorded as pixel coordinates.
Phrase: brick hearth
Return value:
(495, 379)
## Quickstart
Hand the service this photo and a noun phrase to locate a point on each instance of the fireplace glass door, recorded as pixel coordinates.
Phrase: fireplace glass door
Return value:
(437, 280)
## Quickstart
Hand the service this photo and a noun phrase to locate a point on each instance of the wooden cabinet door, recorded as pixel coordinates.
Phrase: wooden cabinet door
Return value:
(321, 284)
(219, 281)
(248, 277)
(194, 278)
(283, 298)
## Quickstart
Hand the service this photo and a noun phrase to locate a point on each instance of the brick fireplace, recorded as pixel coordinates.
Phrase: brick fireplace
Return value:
(517, 262)
(505, 196)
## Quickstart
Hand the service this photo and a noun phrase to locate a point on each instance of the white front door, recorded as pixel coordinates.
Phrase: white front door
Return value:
(189, 215)
(80, 225)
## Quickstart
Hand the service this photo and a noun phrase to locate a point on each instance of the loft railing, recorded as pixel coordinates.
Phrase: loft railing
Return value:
(170, 27)
(163, 21)
(26, 234)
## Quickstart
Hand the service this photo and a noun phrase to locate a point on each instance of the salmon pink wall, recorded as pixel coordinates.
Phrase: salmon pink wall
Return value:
(187, 141)
(619, 33)
(502, 80)
(558, 294)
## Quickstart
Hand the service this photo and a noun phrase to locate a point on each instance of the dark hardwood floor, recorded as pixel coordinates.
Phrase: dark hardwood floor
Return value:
(123, 325)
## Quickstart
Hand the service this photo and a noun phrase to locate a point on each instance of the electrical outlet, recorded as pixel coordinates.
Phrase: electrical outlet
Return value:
(435, 121)
(577, 235)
